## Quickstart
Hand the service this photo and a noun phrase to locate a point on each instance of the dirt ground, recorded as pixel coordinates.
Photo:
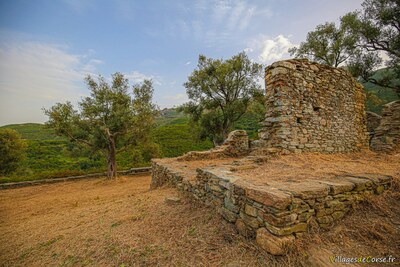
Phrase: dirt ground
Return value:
(320, 166)
(114, 223)
(122, 223)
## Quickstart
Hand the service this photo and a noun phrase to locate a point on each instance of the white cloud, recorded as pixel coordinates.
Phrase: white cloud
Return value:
(138, 77)
(188, 63)
(270, 49)
(35, 75)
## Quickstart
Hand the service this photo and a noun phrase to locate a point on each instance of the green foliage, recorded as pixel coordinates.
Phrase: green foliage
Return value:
(327, 44)
(177, 139)
(59, 158)
(111, 120)
(171, 116)
(12, 151)
(358, 42)
(378, 95)
(220, 92)
(34, 131)
(377, 27)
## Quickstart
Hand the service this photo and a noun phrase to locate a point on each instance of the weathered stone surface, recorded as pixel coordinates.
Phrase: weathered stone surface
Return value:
(373, 121)
(237, 144)
(282, 231)
(304, 189)
(172, 200)
(337, 187)
(249, 220)
(387, 134)
(316, 107)
(230, 206)
(375, 178)
(271, 243)
(325, 219)
(268, 196)
(228, 215)
(250, 210)
(279, 221)
(360, 183)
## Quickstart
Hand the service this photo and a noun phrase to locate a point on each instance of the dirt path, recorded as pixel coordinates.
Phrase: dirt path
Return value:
(114, 223)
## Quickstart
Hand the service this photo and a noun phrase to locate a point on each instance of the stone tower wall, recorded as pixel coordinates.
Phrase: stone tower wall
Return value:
(313, 107)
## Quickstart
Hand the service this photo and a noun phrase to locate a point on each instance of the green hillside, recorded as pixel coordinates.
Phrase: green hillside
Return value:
(49, 155)
(384, 94)
(34, 131)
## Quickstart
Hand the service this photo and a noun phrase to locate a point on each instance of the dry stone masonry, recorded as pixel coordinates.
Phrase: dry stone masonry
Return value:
(387, 134)
(237, 144)
(310, 108)
(313, 107)
(273, 214)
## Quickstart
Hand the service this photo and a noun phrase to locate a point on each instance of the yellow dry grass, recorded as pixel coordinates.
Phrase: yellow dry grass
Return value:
(123, 223)
(115, 223)
(320, 166)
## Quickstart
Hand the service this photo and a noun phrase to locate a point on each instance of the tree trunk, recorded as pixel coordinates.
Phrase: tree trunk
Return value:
(111, 159)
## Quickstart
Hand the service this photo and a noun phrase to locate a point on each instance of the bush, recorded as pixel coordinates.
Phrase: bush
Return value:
(12, 151)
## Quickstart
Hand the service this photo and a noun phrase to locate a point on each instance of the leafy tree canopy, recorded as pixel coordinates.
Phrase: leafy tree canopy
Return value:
(12, 150)
(377, 28)
(111, 119)
(327, 45)
(359, 43)
(220, 92)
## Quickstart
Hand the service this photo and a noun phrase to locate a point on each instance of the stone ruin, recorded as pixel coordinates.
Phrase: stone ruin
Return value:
(386, 136)
(311, 108)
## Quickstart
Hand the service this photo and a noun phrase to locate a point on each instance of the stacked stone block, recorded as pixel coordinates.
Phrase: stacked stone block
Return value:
(313, 107)
(387, 134)
(276, 213)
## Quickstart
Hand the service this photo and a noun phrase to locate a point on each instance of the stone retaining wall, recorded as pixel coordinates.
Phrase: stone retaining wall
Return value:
(274, 215)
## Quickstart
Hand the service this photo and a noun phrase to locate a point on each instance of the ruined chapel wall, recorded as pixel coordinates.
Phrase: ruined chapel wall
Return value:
(313, 107)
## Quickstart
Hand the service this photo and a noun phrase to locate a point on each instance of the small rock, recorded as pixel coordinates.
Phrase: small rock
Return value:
(172, 200)
(273, 244)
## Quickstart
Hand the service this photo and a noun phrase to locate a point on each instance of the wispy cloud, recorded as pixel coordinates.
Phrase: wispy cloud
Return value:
(138, 77)
(217, 21)
(35, 75)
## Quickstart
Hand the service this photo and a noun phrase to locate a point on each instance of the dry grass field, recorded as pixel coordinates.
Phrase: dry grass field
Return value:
(122, 223)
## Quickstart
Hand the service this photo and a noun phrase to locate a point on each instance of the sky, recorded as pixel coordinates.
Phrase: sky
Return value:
(47, 47)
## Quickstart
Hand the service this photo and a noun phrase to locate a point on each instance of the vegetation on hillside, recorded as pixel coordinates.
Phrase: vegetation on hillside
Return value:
(110, 120)
(12, 151)
(220, 93)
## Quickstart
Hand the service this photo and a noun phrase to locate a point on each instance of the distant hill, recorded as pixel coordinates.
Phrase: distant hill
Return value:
(384, 94)
(170, 116)
(34, 131)
(38, 131)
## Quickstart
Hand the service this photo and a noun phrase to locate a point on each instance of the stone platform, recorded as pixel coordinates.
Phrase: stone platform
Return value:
(275, 208)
